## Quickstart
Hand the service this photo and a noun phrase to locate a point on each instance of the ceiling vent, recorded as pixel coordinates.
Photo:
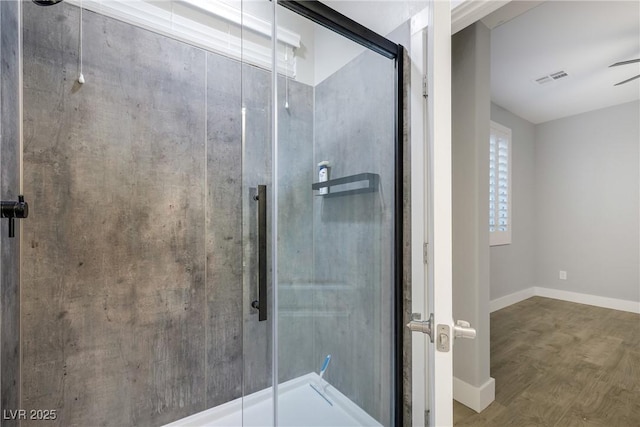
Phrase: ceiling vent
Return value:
(544, 80)
(551, 77)
(558, 75)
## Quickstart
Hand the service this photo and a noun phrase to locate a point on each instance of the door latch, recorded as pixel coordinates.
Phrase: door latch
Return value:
(424, 326)
(443, 339)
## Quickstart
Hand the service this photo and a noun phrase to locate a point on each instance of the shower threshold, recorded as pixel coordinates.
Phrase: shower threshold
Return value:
(299, 405)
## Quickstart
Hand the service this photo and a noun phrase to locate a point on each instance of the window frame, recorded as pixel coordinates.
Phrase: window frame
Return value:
(499, 238)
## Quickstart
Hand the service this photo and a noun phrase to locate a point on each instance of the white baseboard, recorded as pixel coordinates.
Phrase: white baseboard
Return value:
(507, 300)
(598, 301)
(595, 300)
(476, 398)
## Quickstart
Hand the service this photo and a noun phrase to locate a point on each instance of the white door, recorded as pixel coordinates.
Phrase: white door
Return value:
(431, 215)
(419, 196)
(439, 277)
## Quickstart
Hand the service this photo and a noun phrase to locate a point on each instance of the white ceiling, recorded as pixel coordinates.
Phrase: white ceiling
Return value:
(381, 16)
(581, 38)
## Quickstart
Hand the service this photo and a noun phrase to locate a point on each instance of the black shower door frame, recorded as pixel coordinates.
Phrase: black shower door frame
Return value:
(333, 20)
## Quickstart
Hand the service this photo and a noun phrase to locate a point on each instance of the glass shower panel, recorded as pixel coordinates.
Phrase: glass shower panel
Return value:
(256, 195)
(133, 296)
(335, 233)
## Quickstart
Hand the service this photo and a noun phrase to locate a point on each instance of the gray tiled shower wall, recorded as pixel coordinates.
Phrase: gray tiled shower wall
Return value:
(133, 300)
(353, 234)
(134, 309)
(9, 187)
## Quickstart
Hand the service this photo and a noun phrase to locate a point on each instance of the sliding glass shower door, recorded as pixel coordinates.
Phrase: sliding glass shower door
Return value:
(334, 195)
(147, 131)
(256, 123)
(200, 249)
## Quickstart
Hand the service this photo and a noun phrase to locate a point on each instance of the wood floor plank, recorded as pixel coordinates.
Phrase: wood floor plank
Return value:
(603, 406)
(528, 410)
(561, 364)
(463, 416)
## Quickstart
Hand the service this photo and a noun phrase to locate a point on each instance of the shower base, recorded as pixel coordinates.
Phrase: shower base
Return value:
(298, 406)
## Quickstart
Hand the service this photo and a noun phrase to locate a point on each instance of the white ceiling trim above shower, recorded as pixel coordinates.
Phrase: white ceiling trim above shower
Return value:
(228, 41)
(238, 17)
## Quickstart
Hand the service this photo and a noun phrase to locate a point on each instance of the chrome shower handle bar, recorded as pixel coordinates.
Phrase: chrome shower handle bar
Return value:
(261, 303)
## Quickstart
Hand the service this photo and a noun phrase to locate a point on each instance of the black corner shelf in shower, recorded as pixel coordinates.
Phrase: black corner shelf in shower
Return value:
(372, 179)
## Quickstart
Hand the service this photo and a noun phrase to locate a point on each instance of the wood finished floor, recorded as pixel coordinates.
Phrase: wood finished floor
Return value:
(558, 363)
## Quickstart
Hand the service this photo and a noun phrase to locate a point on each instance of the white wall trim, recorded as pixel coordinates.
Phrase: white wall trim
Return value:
(595, 300)
(243, 19)
(507, 300)
(466, 12)
(476, 398)
(598, 301)
(153, 18)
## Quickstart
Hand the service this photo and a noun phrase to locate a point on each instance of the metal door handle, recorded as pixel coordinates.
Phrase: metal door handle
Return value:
(261, 303)
(463, 329)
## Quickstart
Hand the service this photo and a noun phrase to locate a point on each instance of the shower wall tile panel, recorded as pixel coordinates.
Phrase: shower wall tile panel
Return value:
(10, 249)
(135, 307)
(353, 235)
(256, 170)
(296, 172)
(223, 231)
(114, 310)
(242, 351)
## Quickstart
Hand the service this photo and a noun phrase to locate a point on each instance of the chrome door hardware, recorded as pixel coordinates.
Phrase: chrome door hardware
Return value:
(443, 338)
(424, 326)
(463, 329)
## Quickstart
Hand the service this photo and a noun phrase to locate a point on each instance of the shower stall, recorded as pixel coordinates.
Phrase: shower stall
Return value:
(215, 197)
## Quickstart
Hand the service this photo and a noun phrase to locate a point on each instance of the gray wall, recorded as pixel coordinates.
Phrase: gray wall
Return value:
(133, 299)
(340, 303)
(295, 233)
(9, 188)
(354, 131)
(470, 193)
(587, 210)
(114, 291)
(512, 266)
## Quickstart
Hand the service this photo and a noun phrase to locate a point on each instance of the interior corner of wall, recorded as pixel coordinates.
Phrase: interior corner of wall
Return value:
(510, 299)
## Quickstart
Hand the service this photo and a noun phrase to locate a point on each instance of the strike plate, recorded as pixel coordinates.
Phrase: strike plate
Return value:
(443, 338)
